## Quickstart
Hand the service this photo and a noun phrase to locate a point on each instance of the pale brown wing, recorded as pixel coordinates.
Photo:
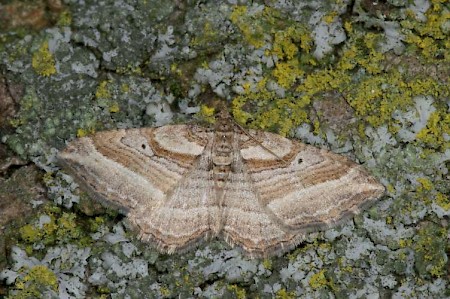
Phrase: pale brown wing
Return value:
(306, 188)
(189, 213)
(246, 222)
(144, 172)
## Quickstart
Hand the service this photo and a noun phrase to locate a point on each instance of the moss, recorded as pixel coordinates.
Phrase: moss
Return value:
(43, 62)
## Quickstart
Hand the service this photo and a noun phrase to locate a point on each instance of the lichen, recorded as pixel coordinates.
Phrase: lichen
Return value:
(283, 294)
(318, 280)
(43, 61)
(165, 63)
(430, 36)
(430, 250)
(206, 114)
(54, 227)
(34, 284)
(443, 201)
(238, 292)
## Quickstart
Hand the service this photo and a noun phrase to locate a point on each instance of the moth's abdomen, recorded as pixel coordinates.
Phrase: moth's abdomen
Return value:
(222, 152)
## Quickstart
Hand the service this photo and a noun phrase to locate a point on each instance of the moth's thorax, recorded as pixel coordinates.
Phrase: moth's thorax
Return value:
(222, 152)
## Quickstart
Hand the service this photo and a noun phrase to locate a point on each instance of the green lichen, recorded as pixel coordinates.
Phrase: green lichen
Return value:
(290, 44)
(43, 61)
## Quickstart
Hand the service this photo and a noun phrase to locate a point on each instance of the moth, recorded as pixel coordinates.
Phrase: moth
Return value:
(181, 184)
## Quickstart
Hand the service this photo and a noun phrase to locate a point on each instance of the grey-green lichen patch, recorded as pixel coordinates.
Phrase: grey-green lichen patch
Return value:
(369, 81)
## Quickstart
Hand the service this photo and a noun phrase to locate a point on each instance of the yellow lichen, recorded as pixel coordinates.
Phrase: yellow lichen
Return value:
(65, 18)
(429, 36)
(206, 114)
(114, 108)
(318, 280)
(252, 31)
(240, 292)
(102, 90)
(267, 263)
(129, 70)
(287, 73)
(30, 234)
(43, 61)
(443, 201)
(125, 88)
(30, 286)
(165, 291)
(329, 18)
(433, 135)
(283, 294)
(425, 184)
(84, 132)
